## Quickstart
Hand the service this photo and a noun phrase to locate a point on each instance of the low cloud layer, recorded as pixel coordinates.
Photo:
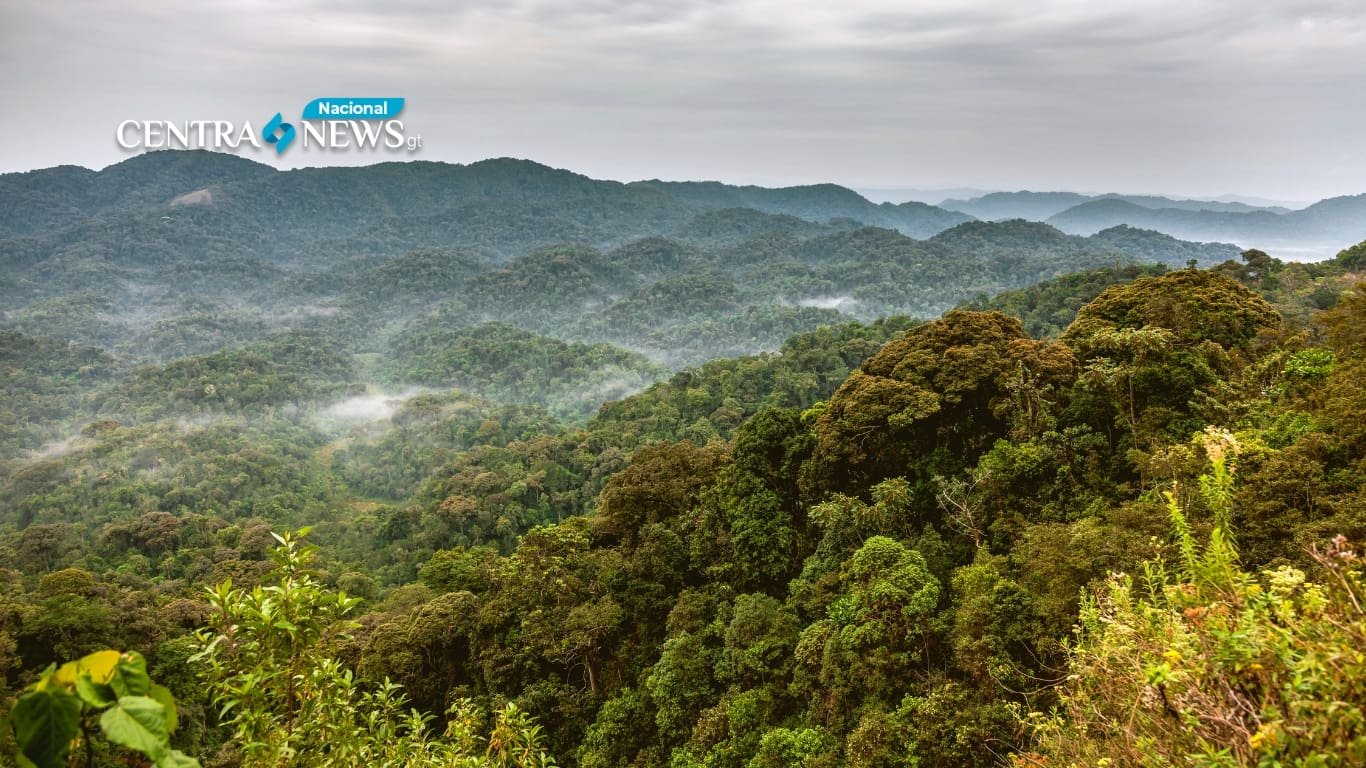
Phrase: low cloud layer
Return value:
(1196, 97)
(372, 406)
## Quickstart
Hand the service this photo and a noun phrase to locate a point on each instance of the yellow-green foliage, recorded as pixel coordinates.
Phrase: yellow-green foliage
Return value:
(289, 702)
(1213, 666)
(57, 717)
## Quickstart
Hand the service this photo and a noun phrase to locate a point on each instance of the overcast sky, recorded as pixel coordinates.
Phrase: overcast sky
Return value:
(1196, 97)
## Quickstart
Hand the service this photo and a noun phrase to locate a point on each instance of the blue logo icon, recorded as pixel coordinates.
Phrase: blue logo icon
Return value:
(285, 130)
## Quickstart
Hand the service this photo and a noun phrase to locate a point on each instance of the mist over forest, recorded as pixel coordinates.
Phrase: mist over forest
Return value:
(672, 474)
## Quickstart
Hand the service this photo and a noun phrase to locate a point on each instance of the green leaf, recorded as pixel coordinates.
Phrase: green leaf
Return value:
(130, 676)
(163, 696)
(177, 759)
(97, 695)
(46, 679)
(44, 724)
(139, 723)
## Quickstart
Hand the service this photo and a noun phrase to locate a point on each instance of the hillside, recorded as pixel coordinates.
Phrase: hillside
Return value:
(1311, 233)
(860, 547)
(625, 476)
(150, 261)
(819, 203)
(1033, 206)
(1040, 206)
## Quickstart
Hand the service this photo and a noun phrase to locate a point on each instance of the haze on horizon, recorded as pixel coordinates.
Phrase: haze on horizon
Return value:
(1189, 97)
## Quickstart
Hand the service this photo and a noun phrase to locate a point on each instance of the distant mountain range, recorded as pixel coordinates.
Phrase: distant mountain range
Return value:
(933, 196)
(819, 202)
(175, 253)
(536, 205)
(1039, 206)
(1316, 231)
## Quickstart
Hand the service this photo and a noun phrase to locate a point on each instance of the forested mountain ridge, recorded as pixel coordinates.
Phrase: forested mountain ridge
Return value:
(856, 552)
(755, 491)
(47, 199)
(1313, 232)
(180, 253)
(820, 202)
(1039, 206)
(1337, 221)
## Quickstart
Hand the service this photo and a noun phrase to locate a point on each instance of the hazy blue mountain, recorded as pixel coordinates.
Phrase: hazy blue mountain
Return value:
(817, 202)
(1091, 217)
(1340, 217)
(1040, 206)
(916, 194)
(1221, 206)
(1262, 202)
(1336, 222)
(1034, 206)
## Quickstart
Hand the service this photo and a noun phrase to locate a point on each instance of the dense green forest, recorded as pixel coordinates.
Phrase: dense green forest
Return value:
(496, 479)
(181, 254)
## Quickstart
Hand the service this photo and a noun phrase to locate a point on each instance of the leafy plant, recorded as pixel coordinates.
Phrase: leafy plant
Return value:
(270, 666)
(1211, 665)
(58, 714)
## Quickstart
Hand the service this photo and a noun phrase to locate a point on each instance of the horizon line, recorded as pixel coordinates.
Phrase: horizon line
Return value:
(857, 188)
